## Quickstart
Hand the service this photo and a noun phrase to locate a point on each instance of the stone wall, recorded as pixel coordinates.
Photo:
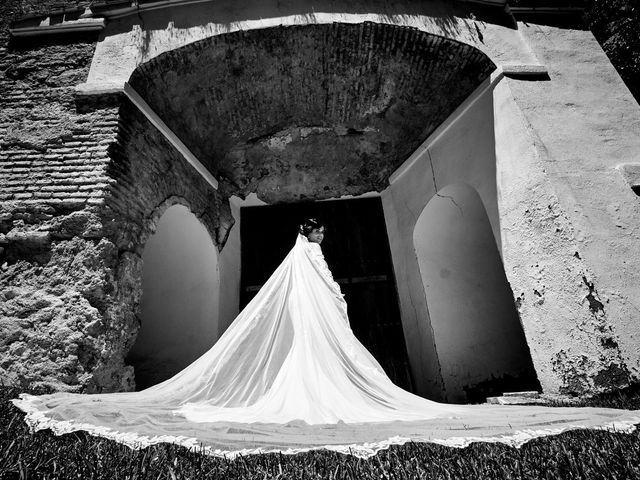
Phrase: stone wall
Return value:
(11, 10)
(82, 188)
(55, 266)
(149, 176)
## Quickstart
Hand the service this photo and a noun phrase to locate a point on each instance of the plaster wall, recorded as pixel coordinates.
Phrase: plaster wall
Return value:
(460, 151)
(140, 36)
(571, 329)
(582, 125)
(230, 264)
(180, 297)
(476, 327)
(603, 133)
(571, 335)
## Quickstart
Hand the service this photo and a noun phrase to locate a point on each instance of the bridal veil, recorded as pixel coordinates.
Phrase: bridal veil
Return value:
(288, 375)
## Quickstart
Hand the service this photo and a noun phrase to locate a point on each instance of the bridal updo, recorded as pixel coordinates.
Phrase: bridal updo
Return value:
(309, 225)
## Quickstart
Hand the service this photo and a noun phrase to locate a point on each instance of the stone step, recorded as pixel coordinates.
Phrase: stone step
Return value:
(514, 400)
(527, 394)
(532, 398)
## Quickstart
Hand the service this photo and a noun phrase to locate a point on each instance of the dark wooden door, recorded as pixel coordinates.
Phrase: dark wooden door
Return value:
(356, 248)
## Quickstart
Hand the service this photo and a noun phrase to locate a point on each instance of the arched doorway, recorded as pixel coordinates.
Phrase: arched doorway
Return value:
(180, 298)
(477, 332)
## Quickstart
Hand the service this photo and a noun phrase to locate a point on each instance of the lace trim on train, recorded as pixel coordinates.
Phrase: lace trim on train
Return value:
(38, 420)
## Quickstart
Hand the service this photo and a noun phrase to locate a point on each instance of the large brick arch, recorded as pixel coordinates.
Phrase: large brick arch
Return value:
(313, 111)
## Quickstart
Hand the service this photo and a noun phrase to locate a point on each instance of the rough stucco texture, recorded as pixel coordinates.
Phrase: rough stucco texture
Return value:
(601, 131)
(80, 194)
(56, 329)
(573, 337)
(309, 112)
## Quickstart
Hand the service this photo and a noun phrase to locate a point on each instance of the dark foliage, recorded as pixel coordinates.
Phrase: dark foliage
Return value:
(616, 26)
(584, 454)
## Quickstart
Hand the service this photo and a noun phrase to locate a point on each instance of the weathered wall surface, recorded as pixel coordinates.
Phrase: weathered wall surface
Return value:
(179, 307)
(56, 330)
(462, 150)
(84, 184)
(584, 123)
(568, 256)
(477, 332)
(143, 35)
(74, 216)
(311, 112)
(573, 341)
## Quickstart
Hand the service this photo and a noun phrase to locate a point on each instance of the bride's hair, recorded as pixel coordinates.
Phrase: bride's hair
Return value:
(309, 225)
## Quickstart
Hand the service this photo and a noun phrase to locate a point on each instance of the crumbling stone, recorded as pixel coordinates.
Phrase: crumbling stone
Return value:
(74, 216)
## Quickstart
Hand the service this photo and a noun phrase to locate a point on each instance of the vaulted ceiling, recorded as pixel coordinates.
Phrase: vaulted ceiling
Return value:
(309, 112)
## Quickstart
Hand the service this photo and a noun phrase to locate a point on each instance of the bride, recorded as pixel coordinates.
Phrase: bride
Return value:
(289, 375)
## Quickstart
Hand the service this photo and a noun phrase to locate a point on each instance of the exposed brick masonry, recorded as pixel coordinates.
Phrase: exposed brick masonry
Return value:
(149, 175)
(312, 111)
(57, 271)
(80, 192)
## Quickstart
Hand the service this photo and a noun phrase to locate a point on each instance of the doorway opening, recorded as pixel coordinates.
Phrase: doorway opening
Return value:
(180, 298)
(356, 248)
(477, 331)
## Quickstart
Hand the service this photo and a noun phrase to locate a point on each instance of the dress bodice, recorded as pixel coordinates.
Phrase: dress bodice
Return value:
(315, 252)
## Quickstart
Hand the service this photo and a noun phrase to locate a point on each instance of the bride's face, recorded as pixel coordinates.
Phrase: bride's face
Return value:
(316, 235)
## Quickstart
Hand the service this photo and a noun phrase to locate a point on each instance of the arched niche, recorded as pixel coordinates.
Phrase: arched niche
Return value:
(180, 298)
(478, 337)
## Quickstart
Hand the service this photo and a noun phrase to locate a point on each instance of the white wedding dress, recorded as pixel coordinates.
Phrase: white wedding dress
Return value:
(288, 375)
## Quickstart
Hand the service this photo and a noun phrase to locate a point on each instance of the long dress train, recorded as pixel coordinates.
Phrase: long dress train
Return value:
(288, 375)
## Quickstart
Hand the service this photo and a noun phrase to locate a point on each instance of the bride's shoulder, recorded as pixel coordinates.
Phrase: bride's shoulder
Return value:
(312, 246)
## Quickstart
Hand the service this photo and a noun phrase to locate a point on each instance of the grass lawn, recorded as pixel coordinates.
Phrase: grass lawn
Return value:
(579, 454)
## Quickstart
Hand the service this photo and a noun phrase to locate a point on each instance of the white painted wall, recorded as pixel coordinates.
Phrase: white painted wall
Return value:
(462, 150)
(583, 123)
(475, 324)
(230, 264)
(180, 297)
(546, 245)
(545, 236)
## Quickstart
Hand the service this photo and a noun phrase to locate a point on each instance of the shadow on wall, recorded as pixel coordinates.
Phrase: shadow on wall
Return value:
(180, 298)
(477, 332)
